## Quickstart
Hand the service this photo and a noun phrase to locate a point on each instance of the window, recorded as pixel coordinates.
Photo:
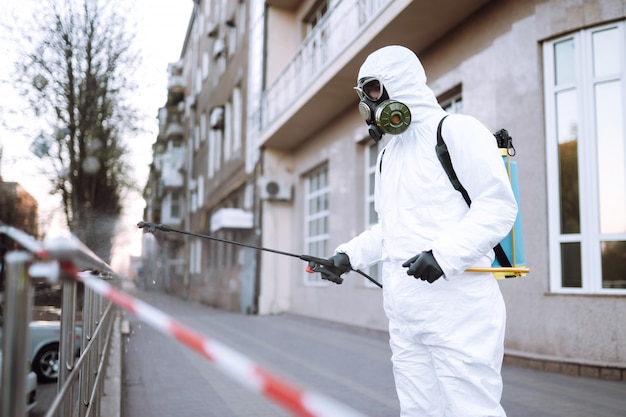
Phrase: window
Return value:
(586, 154)
(200, 190)
(237, 120)
(213, 138)
(205, 65)
(216, 137)
(175, 212)
(228, 131)
(203, 127)
(231, 24)
(317, 34)
(316, 218)
(371, 217)
(195, 256)
(241, 17)
(196, 135)
(452, 100)
(316, 15)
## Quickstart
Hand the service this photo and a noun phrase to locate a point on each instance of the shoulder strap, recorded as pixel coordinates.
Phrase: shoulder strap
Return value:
(446, 162)
(444, 158)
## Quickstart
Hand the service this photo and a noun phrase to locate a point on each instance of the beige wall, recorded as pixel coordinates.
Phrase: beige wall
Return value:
(282, 41)
(279, 232)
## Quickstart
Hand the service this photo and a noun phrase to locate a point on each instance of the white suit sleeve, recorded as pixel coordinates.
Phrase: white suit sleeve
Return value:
(478, 164)
(364, 250)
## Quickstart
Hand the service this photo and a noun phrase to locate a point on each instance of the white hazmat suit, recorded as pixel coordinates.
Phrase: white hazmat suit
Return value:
(447, 336)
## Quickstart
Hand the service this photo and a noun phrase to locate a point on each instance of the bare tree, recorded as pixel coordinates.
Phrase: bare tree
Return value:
(75, 73)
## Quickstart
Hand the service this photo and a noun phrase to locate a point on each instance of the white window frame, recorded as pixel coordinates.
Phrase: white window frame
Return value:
(212, 138)
(219, 144)
(589, 236)
(195, 255)
(454, 105)
(175, 206)
(237, 121)
(200, 190)
(196, 135)
(309, 194)
(452, 100)
(228, 131)
(203, 127)
(205, 65)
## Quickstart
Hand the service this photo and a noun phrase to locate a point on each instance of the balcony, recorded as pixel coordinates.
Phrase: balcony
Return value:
(316, 84)
(176, 84)
(231, 218)
(170, 164)
(174, 129)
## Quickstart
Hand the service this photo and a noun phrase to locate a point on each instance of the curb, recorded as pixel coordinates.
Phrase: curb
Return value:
(110, 403)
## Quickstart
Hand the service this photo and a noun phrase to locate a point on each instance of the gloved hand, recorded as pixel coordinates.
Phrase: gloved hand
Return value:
(424, 266)
(340, 265)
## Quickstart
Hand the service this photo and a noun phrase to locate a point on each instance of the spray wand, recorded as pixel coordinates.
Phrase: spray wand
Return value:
(315, 263)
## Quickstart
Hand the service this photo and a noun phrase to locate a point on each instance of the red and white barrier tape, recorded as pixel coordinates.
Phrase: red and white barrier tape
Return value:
(230, 362)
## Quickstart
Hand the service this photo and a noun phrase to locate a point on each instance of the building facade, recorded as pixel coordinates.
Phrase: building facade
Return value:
(163, 257)
(204, 144)
(549, 71)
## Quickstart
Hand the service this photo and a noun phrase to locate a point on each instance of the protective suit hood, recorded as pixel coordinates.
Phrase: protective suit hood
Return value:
(403, 76)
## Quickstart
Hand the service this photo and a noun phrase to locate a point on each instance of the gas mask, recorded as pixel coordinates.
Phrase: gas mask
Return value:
(382, 114)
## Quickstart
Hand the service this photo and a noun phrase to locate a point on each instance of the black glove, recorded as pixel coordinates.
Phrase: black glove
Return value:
(340, 265)
(424, 266)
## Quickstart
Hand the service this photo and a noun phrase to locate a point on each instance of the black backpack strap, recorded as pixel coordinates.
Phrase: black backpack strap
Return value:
(444, 158)
(446, 162)
(501, 256)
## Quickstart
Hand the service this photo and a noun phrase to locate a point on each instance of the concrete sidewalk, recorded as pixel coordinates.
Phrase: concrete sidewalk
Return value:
(161, 377)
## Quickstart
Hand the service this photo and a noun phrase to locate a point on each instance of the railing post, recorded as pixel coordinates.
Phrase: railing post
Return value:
(66, 350)
(85, 376)
(97, 354)
(16, 338)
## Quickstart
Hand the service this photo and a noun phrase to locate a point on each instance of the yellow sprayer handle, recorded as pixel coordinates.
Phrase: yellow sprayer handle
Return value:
(501, 272)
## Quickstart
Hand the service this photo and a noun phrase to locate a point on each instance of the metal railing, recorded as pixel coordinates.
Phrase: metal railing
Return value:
(335, 32)
(80, 380)
(67, 259)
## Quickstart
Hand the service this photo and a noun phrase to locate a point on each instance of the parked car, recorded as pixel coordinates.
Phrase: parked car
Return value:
(31, 387)
(45, 339)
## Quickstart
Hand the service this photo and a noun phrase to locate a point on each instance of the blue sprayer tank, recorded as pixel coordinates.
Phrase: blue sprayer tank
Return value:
(513, 243)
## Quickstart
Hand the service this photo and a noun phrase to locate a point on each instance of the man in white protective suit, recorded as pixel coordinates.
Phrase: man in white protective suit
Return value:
(446, 325)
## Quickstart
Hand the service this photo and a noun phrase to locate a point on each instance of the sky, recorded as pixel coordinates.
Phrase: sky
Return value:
(160, 28)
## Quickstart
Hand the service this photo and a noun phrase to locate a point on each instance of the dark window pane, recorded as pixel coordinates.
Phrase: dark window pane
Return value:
(571, 276)
(614, 264)
(567, 131)
(568, 178)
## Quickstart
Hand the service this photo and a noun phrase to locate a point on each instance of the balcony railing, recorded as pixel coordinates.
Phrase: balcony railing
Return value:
(81, 380)
(176, 83)
(339, 28)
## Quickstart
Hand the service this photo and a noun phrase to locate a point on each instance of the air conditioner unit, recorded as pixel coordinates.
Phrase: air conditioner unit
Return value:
(274, 189)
